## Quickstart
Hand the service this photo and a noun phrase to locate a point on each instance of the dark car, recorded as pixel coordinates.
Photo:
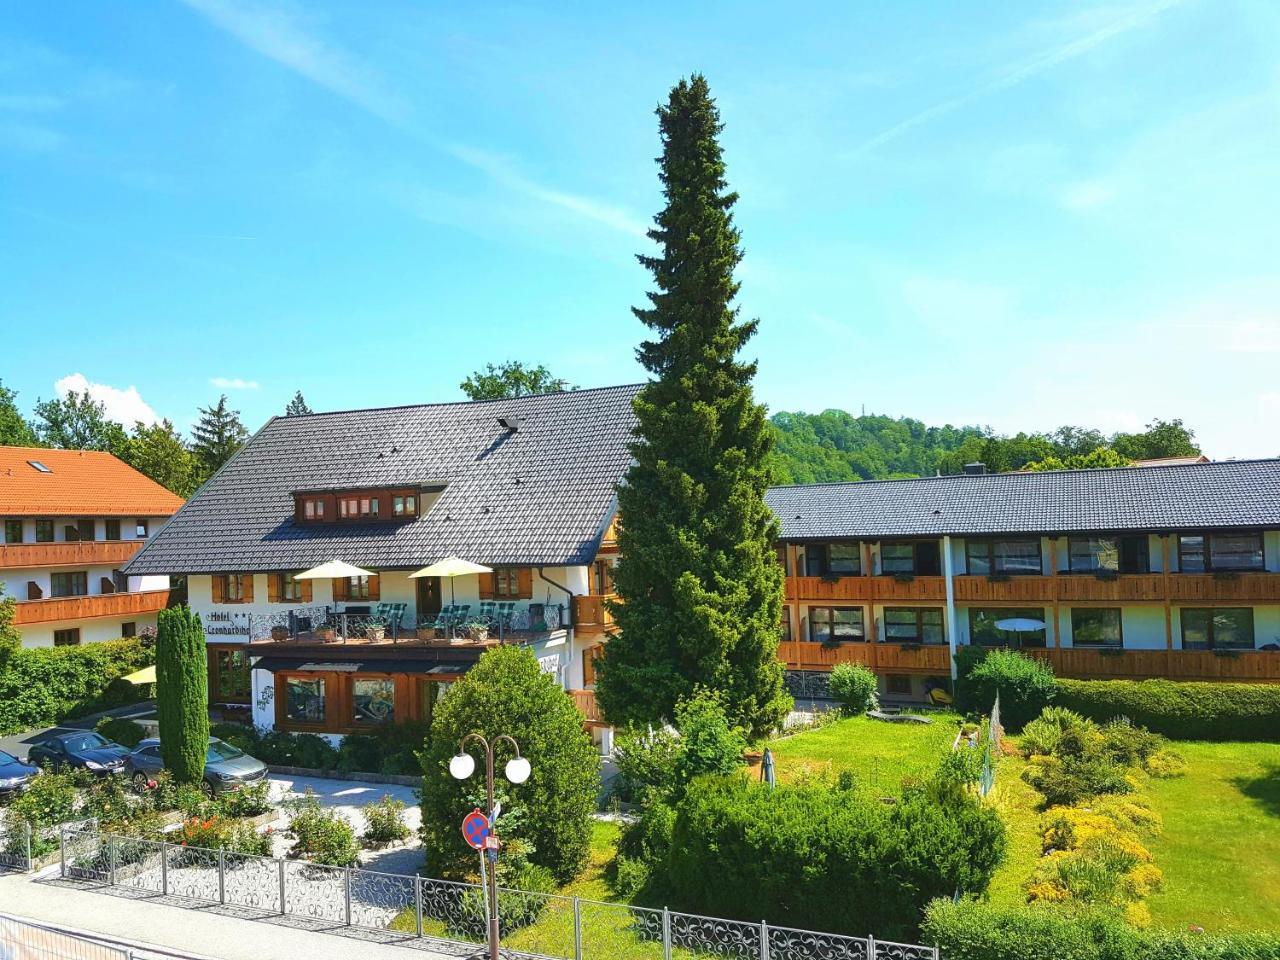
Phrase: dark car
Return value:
(15, 776)
(83, 750)
(226, 767)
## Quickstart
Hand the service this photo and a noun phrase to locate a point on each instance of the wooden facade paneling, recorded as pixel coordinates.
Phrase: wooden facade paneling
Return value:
(591, 617)
(1124, 588)
(585, 701)
(866, 589)
(1225, 588)
(885, 657)
(87, 608)
(977, 589)
(1088, 664)
(95, 552)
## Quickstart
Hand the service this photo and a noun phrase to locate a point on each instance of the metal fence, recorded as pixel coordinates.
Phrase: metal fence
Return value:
(991, 748)
(533, 924)
(22, 940)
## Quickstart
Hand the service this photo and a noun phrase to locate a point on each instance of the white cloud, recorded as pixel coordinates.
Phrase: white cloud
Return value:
(1016, 73)
(123, 406)
(233, 383)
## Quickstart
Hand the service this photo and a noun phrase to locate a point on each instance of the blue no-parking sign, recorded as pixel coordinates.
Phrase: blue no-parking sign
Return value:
(475, 829)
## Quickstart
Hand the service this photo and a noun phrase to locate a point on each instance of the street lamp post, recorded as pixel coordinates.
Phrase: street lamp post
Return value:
(517, 771)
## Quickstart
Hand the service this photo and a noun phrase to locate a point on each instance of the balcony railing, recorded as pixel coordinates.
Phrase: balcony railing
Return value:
(585, 701)
(1065, 588)
(591, 613)
(888, 657)
(320, 624)
(1100, 664)
(87, 608)
(14, 555)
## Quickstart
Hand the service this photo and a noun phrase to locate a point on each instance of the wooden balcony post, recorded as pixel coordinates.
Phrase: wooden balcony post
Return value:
(948, 575)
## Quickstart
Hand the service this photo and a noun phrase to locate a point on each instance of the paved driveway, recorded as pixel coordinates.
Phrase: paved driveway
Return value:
(19, 744)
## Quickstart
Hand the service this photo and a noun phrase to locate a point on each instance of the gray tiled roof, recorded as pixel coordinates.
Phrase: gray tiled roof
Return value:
(1240, 493)
(541, 495)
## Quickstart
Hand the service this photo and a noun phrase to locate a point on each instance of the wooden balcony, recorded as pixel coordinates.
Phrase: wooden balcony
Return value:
(74, 554)
(1257, 666)
(585, 701)
(866, 589)
(978, 589)
(885, 657)
(88, 608)
(1223, 588)
(1124, 587)
(590, 615)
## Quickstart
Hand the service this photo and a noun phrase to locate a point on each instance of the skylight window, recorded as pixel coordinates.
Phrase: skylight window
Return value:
(39, 466)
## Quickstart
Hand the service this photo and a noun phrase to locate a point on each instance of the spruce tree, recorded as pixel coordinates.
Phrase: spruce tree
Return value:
(297, 406)
(217, 435)
(699, 583)
(182, 693)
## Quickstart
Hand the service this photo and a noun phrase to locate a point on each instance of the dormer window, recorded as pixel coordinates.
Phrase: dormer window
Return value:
(313, 508)
(362, 505)
(405, 506)
(358, 508)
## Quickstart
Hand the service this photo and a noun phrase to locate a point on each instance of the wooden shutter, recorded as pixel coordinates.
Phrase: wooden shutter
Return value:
(273, 587)
(306, 590)
(219, 588)
(248, 588)
(374, 590)
(486, 586)
(340, 589)
(525, 581)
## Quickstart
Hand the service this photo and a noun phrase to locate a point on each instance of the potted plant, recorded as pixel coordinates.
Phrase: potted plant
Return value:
(426, 630)
(279, 633)
(478, 631)
(1226, 575)
(904, 577)
(324, 631)
(375, 631)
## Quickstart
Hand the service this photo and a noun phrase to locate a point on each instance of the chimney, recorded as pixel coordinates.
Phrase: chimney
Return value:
(975, 469)
(510, 424)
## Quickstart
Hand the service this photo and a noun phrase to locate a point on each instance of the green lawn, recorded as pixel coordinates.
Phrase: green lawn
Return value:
(879, 753)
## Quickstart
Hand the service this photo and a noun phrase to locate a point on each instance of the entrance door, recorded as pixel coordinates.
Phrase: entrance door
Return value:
(428, 598)
(229, 675)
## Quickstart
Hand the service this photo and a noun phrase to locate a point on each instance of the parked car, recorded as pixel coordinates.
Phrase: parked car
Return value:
(15, 776)
(226, 767)
(82, 750)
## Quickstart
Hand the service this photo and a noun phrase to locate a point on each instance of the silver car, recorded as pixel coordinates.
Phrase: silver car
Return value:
(225, 767)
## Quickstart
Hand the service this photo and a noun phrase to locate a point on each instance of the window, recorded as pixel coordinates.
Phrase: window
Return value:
(85, 529)
(985, 632)
(44, 531)
(313, 508)
(898, 684)
(233, 588)
(1093, 554)
(357, 588)
(602, 578)
(112, 528)
(304, 700)
(39, 466)
(1219, 628)
(1225, 552)
(230, 680)
(67, 638)
(833, 560)
(119, 582)
(785, 628)
(353, 508)
(140, 529)
(373, 701)
(69, 584)
(289, 588)
(1135, 554)
(1096, 627)
(405, 506)
(506, 582)
(913, 625)
(13, 531)
(836, 624)
(129, 629)
(918, 557)
(1003, 556)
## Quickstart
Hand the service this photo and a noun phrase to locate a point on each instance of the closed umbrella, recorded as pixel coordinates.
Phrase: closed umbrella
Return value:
(141, 677)
(451, 567)
(767, 772)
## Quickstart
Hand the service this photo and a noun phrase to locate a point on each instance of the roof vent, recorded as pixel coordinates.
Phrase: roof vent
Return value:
(511, 424)
(975, 469)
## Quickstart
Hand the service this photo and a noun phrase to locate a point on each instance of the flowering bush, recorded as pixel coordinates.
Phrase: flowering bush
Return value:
(322, 836)
(384, 821)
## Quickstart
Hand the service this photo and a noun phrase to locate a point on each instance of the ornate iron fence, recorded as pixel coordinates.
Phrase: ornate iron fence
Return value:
(542, 925)
(38, 941)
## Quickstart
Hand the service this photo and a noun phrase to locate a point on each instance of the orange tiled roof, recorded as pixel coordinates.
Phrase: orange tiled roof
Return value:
(79, 483)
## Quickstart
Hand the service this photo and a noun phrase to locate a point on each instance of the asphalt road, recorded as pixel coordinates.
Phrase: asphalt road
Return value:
(19, 743)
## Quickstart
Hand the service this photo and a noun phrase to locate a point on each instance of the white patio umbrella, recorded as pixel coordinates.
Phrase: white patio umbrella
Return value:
(333, 570)
(1020, 625)
(451, 567)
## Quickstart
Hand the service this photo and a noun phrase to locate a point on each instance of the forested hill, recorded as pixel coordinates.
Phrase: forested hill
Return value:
(835, 445)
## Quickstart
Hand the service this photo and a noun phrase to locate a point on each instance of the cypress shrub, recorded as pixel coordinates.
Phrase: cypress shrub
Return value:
(182, 693)
(1180, 709)
(1025, 687)
(976, 931)
(824, 858)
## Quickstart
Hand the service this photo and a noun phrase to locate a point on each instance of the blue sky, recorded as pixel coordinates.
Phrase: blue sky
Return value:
(1012, 214)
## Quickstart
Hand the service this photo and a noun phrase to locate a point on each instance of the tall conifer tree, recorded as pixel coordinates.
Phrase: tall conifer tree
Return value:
(217, 435)
(700, 586)
(182, 693)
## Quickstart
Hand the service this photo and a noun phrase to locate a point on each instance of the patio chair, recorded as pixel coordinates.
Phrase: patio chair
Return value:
(390, 615)
(487, 613)
(443, 620)
(462, 615)
(503, 615)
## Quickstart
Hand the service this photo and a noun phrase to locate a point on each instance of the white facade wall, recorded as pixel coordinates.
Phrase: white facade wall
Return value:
(99, 628)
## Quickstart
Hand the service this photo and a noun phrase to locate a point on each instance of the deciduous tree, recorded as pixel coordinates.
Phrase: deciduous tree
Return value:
(160, 453)
(78, 422)
(15, 430)
(700, 585)
(511, 379)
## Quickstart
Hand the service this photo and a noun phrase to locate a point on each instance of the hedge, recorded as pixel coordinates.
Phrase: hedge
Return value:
(1024, 685)
(41, 686)
(1180, 709)
(975, 931)
(823, 858)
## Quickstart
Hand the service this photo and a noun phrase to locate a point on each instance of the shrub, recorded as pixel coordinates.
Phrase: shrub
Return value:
(1181, 710)
(182, 693)
(322, 836)
(1165, 764)
(42, 686)
(50, 800)
(384, 821)
(127, 733)
(977, 931)
(1066, 781)
(1128, 745)
(961, 767)
(390, 749)
(708, 743)
(745, 851)
(646, 762)
(249, 801)
(1042, 734)
(506, 692)
(854, 686)
(1025, 687)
